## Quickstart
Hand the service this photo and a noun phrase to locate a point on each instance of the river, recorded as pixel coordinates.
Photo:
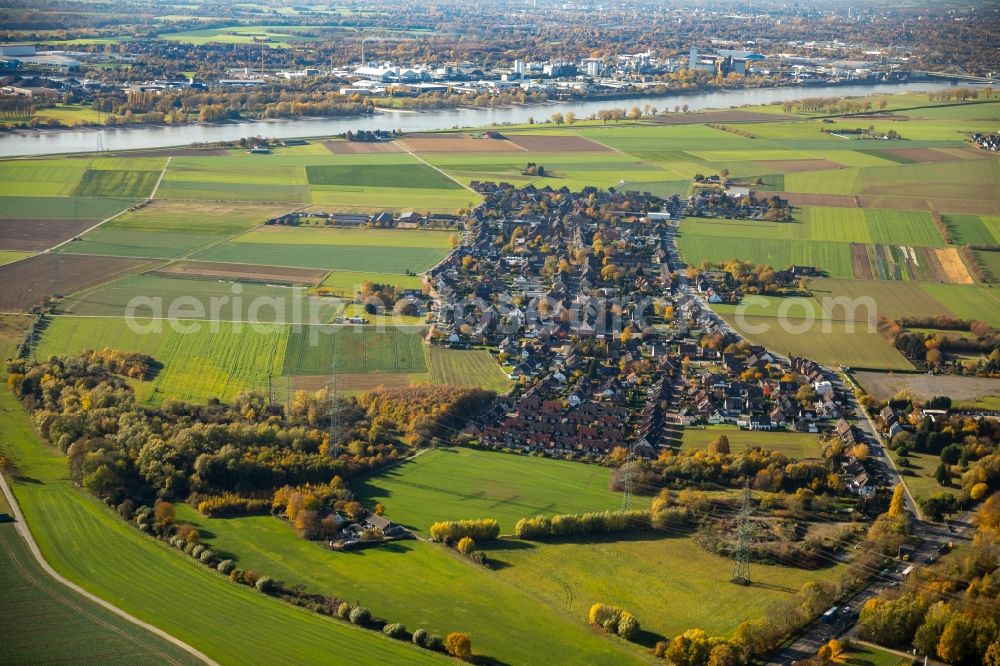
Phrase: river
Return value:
(52, 142)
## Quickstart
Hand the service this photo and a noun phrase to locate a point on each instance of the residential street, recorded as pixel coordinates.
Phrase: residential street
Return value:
(932, 535)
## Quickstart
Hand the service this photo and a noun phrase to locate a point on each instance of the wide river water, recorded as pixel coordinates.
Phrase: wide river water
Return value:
(51, 142)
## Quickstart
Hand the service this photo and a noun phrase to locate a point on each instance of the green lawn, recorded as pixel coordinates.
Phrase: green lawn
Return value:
(796, 445)
(218, 359)
(459, 483)
(354, 258)
(862, 655)
(313, 350)
(85, 542)
(462, 367)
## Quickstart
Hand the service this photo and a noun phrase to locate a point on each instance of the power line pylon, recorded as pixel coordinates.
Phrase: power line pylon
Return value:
(628, 481)
(336, 418)
(744, 537)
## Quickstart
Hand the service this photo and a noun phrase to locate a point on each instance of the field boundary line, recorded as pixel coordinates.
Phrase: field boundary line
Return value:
(25, 532)
(163, 172)
(438, 169)
(84, 232)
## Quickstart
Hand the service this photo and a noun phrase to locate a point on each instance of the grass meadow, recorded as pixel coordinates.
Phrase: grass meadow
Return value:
(171, 229)
(196, 366)
(826, 342)
(308, 253)
(88, 544)
(44, 621)
(354, 349)
(460, 367)
(669, 582)
(460, 483)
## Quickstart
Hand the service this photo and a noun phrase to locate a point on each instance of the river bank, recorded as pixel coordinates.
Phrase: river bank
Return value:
(67, 141)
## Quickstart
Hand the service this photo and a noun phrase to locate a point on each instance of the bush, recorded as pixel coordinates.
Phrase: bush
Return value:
(394, 630)
(420, 637)
(360, 616)
(614, 620)
(344, 610)
(197, 551)
(265, 584)
(458, 644)
(226, 567)
(206, 556)
(434, 642)
(451, 531)
(466, 546)
(628, 626)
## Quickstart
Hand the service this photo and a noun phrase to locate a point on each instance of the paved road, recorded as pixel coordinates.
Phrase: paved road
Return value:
(22, 528)
(932, 536)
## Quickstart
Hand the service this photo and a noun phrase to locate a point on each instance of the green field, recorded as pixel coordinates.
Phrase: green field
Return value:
(222, 300)
(969, 230)
(106, 183)
(314, 350)
(422, 585)
(88, 544)
(219, 359)
(453, 484)
(461, 367)
(8, 256)
(170, 229)
(833, 258)
(670, 583)
(16, 207)
(346, 283)
(968, 302)
(351, 258)
(416, 176)
(796, 445)
(824, 341)
(846, 300)
(44, 621)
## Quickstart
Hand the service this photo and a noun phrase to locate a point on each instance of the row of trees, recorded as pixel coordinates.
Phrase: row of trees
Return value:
(565, 525)
(450, 532)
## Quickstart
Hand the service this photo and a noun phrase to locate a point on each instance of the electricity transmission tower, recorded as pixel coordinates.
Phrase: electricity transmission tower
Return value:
(628, 481)
(336, 418)
(744, 535)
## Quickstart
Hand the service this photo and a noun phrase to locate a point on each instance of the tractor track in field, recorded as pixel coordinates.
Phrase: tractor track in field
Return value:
(25, 532)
